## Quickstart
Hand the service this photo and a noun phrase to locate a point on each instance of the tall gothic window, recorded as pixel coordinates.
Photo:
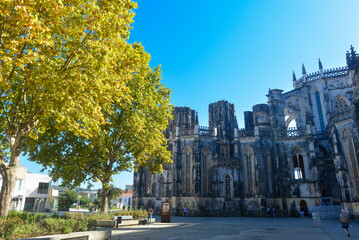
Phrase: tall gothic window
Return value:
(268, 160)
(340, 105)
(320, 111)
(206, 170)
(187, 173)
(249, 171)
(298, 166)
(352, 159)
(228, 183)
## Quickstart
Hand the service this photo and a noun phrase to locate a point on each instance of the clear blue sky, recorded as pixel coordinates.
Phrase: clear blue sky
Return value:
(236, 50)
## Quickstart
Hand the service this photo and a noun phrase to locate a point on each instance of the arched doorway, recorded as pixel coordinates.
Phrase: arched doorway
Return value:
(303, 205)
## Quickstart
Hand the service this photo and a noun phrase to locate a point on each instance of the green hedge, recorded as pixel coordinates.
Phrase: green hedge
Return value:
(20, 225)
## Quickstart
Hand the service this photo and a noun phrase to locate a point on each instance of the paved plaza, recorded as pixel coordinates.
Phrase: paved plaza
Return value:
(216, 228)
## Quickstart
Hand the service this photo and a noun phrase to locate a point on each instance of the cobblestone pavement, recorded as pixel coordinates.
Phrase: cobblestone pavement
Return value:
(218, 228)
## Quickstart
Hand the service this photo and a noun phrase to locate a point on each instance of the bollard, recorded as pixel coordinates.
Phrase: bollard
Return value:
(316, 220)
(118, 220)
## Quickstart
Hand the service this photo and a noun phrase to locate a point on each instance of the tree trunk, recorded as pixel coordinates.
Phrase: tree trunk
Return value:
(104, 205)
(9, 173)
(8, 184)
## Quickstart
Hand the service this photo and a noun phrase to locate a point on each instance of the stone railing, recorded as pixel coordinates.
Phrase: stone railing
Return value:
(245, 133)
(328, 73)
(204, 131)
(292, 132)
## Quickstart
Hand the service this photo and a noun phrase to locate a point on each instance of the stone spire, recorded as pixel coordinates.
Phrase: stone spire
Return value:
(294, 81)
(320, 68)
(304, 72)
(196, 118)
(352, 59)
(320, 64)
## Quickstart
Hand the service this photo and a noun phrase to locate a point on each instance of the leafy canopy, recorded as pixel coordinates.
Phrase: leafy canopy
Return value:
(65, 60)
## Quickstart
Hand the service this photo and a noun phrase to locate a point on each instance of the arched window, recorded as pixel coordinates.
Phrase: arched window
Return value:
(298, 166)
(228, 182)
(268, 161)
(249, 170)
(349, 149)
(187, 170)
(340, 104)
(290, 121)
(206, 170)
(149, 181)
(320, 111)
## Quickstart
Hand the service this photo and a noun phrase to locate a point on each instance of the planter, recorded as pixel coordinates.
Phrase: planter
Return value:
(91, 235)
(105, 223)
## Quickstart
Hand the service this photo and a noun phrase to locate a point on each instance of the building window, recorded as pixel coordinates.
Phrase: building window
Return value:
(206, 170)
(228, 187)
(320, 112)
(18, 184)
(298, 166)
(43, 188)
(188, 170)
(349, 148)
(340, 105)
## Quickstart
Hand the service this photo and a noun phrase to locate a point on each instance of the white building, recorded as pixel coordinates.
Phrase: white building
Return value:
(32, 192)
(125, 200)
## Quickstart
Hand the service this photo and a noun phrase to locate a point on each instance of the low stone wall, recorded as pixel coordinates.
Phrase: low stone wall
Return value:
(91, 235)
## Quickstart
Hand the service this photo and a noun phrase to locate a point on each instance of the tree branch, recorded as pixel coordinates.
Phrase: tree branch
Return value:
(64, 67)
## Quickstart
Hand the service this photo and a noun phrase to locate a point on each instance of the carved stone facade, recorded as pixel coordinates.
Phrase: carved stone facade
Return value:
(222, 170)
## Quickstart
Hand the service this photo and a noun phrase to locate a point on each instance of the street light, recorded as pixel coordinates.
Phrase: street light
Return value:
(78, 202)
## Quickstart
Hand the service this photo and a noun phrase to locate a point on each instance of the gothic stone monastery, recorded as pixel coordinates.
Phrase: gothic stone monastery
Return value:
(221, 170)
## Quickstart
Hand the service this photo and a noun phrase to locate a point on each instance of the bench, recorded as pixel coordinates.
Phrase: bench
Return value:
(119, 219)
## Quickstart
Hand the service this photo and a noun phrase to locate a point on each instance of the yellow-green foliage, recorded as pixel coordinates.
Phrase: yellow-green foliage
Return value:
(74, 215)
(28, 230)
(13, 227)
(136, 214)
(8, 225)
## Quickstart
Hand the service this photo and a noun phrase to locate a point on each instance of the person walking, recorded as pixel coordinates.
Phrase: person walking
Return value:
(274, 213)
(302, 212)
(268, 212)
(345, 220)
(149, 216)
(185, 211)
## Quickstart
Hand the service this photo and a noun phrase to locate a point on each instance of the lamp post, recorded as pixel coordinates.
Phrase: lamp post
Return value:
(78, 202)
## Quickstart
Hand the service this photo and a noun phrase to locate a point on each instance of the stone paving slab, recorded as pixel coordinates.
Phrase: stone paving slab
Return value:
(191, 228)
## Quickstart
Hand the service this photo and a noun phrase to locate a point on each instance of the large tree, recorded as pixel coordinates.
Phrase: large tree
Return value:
(132, 137)
(63, 64)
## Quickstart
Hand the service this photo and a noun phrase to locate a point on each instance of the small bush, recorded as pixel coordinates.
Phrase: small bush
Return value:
(25, 216)
(136, 214)
(28, 231)
(39, 217)
(8, 225)
(74, 215)
(51, 225)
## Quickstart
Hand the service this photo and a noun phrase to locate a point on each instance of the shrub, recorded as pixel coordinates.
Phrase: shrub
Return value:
(51, 225)
(28, 231)
(136, 214)
(74, 215)
(25, 216)
(39, 217)
(8, 225)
